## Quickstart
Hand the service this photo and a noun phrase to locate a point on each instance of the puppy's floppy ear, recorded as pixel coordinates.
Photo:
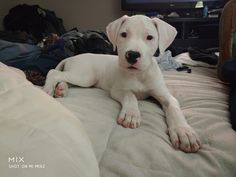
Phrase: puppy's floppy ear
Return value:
(113, 29)
(166, 34)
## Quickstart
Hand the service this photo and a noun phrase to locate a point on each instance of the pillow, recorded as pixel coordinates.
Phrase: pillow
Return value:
(38, 136)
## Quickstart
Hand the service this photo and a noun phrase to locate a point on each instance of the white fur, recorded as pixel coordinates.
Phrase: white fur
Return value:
(127, 85)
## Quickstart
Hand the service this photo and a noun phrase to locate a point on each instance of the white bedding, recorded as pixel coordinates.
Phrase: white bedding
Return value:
(147, 151)
(38, 136)
(35, 126)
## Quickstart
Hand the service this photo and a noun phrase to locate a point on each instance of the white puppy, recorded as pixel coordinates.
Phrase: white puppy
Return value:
(133, 74)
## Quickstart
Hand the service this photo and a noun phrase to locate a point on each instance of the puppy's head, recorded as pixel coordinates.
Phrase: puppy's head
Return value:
(137, 39)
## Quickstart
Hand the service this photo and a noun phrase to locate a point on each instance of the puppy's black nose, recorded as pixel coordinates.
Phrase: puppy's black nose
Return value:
(132, 56)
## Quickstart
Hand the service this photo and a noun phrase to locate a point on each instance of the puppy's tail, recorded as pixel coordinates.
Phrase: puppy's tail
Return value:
(60, 66)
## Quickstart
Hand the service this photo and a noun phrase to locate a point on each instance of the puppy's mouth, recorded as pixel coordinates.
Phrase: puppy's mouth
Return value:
(132, 68)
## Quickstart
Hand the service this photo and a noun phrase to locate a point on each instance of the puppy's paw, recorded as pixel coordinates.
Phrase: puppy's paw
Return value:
(61, 90)
(184, 138)
(50, 82)
(49, 89)
(129, 118)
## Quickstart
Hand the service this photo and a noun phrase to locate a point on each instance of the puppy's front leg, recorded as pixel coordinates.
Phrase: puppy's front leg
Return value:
(129, 116)
(181, 134)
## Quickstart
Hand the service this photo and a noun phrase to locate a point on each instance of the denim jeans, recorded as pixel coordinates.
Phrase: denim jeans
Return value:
(30, 57)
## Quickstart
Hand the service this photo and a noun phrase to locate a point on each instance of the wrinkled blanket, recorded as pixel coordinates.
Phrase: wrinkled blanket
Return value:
(38, 136)
(147, 151)
(38, 128)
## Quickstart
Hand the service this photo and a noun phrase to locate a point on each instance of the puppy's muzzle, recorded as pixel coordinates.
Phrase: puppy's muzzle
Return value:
(132, 56)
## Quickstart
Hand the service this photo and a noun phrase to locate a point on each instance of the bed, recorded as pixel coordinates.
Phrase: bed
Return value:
(77, 136)
(147, 151)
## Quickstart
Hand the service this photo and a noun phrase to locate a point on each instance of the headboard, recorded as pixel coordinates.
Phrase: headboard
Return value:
(227, 34)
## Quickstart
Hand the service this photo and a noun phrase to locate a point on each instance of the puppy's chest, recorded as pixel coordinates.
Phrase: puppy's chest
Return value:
(139, 88)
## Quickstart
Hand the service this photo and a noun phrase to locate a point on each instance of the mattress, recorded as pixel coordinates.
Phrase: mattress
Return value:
(147, 150)
(78, 135)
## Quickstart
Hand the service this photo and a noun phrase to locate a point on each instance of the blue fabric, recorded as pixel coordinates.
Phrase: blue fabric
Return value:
(229, 71)
(229, 74)
(167, 62)
(11, 52)
(232, 106)
(31, 57)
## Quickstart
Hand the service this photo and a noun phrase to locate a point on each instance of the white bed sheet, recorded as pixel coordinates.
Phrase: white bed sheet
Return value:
(147, 151)
(38, 128)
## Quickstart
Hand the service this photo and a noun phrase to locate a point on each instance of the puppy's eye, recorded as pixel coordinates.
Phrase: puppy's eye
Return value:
(149, 37)
(124, 34)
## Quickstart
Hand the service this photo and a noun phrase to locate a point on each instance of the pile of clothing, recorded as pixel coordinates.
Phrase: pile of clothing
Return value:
(37, 60)
(37, 49)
